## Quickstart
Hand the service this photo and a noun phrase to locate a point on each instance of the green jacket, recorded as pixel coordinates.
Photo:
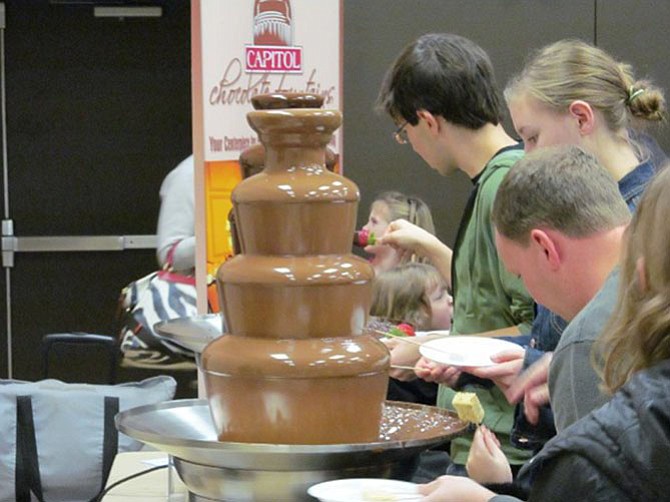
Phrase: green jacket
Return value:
(486, 297)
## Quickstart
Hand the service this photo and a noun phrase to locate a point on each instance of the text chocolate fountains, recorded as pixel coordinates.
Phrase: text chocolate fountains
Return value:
(295, 367)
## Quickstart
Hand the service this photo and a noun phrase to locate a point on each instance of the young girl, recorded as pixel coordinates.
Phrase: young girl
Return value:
(387, 207)
(414, 294)
(619, 451)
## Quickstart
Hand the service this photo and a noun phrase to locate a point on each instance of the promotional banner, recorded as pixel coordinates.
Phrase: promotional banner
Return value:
(240, 49)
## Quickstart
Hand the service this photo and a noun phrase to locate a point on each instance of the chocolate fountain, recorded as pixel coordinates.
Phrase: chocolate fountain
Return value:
(296, 368)
(295, 388)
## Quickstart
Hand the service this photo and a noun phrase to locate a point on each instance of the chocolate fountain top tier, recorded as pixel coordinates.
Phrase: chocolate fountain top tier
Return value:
(285, 100)
(301, 127)
(295, 142)
(295, 205)
(252, 160)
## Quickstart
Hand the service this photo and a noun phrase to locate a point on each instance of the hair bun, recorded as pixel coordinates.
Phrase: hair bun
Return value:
(646, 102)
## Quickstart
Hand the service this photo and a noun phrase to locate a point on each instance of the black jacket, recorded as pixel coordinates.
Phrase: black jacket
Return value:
(618, 452)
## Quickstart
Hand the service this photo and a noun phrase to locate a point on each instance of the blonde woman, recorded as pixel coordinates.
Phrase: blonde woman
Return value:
(571, 92)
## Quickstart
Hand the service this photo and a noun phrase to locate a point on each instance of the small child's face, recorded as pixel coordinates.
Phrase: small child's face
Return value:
(379, 219)
(441, 307)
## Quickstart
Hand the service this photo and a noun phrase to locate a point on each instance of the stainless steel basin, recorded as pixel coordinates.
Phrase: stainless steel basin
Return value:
(235, 472)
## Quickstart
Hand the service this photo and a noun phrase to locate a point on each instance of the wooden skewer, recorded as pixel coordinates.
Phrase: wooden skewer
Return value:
(404, 338)
(408, 339)
(397, 367)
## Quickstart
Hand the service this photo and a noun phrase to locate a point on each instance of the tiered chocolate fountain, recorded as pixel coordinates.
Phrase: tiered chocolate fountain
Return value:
(296, 368)
(295, 389)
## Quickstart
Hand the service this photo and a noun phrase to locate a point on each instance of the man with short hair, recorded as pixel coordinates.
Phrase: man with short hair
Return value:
(441, 93)
(559, 220)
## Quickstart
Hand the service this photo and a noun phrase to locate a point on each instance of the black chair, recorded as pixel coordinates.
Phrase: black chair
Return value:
(80, 357)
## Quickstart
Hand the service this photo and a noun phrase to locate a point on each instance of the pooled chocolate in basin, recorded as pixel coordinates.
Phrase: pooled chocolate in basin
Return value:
(406, 422)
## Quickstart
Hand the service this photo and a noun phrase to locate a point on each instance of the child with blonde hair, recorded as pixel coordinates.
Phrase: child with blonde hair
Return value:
(413, 296)
(413, 293)
(387, 207)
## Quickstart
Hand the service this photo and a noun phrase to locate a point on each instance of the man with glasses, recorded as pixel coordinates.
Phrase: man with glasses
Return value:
(441, 92)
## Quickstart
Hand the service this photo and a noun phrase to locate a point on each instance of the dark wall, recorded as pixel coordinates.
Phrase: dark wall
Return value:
(634, 32)
(98, 96)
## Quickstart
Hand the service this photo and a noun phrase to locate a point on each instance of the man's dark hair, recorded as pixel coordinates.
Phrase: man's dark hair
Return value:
(446, 75)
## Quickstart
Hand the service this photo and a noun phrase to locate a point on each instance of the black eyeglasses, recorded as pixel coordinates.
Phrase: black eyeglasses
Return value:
(400, 134)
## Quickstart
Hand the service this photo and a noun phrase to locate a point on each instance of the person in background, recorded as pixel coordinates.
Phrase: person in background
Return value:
(571, 92)
(442, 95)
(618, 451)
(395, 302)
(176, 219)
(389, 206)
(413, 294)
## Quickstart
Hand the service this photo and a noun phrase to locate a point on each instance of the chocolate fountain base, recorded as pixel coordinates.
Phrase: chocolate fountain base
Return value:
(241, 472)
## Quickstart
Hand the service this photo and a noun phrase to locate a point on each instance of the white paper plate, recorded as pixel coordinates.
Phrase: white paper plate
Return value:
(465, 350)
(365, 490)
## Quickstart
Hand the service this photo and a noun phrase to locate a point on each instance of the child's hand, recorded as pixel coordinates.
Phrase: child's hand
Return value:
(487, 462)
(439, 373)
(402, 354)
(454, 489)
(385, 257)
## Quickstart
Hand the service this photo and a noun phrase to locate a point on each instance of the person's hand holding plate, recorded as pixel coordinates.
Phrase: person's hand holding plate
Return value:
(439, 373)
(507, 367)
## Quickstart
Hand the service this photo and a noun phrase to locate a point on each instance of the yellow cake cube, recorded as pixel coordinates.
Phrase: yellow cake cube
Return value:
(468, 407)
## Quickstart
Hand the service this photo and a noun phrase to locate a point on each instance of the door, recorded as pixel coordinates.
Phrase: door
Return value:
(98, 110)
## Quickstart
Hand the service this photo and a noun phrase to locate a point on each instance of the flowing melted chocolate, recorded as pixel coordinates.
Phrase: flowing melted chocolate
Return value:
(296, 367)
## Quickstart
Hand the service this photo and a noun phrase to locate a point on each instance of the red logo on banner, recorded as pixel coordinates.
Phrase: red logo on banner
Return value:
(273, 51)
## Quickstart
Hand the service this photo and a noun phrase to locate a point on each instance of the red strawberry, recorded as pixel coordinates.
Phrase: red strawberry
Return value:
(364, 238)
(407, 329)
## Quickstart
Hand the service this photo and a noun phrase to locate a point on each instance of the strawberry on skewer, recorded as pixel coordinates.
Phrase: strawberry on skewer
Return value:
(402, 329)
(364, 238)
